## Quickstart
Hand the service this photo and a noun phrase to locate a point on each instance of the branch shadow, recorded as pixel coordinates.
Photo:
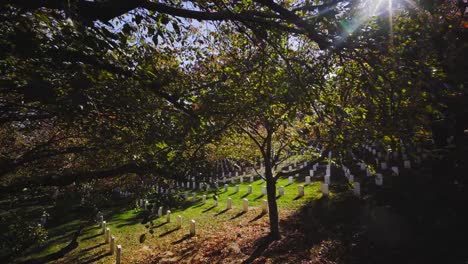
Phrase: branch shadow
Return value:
(245, 195)
(62, 252)
(169, 232)
(232, 193)
(257, 217)
(262, 244)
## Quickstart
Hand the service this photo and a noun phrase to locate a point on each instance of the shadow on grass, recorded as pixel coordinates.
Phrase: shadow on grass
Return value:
(237, 215)
(289, 184)
(278, 196)
(91, 237)
(260, 183)
(165, 223)
(262, 195)
(208, 209)
(93, 247)
(169, 232)
(298, 197)
(232, 193)
(96, 258)
(181, 240)
(257, 217)
(222, 212)
(245, 195)
(62, 252)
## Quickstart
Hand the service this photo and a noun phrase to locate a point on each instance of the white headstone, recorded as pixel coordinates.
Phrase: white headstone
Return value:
(251, 178)
(241, 179)
(357, 189)
(119, 254)
(104, 227)
(325, 189)
(264, 191)
(300, 190)
(264, 206)
(249, 189)
(245, 205)
(229, 203)
(281, 190)
(168, 216)
(395, 170)
(378, 179)
(363, 166)
(290, 179)
(107, 235)
(160, 212)
(112, 245)
(237, 189)
(307, 180)
(311, 173)
(225, 187)
(192, 227)
(204, 199)
(194, 197)
(179, 221)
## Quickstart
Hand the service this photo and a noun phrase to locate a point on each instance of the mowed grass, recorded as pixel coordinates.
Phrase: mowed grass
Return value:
(127, 227)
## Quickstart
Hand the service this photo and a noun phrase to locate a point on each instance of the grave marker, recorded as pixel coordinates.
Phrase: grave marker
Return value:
(112, 245)
(281, 191)
(307, 180)
(179, 221)
(357, 189)
(378, 179)
(229, 203)
(290, 180)
(264, 206)
(168, 216)
(264, 191)
(107, 235)
(192, 227)
(204, 199)
(300, 190)
(225, 187)
(119, 254)
(325, 189)
(245, 204)
(237, 189)
(249, 189)
(395, 170)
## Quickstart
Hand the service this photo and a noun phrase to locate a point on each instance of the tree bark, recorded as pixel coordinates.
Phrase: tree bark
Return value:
(271, 191)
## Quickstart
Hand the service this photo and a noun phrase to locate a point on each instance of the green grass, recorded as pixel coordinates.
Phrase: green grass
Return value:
(126, 224)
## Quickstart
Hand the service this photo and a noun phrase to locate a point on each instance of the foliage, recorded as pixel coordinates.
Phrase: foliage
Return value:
(20, 233)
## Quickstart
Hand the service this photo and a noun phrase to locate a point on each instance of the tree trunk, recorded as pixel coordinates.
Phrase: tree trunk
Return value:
(271, 191)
